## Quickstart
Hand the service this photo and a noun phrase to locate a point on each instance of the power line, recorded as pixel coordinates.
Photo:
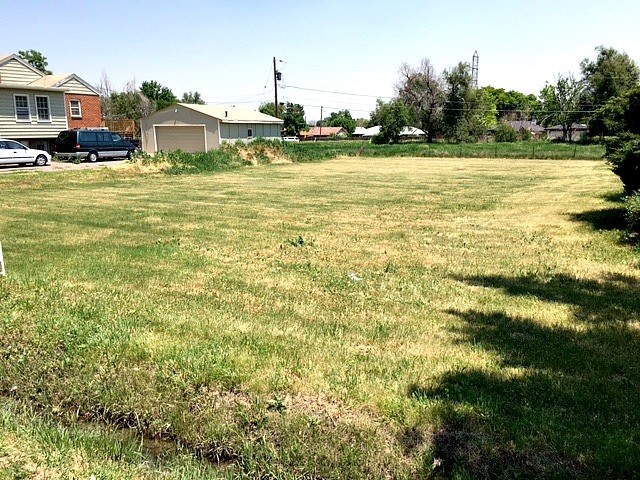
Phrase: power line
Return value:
(332, 67)
(337, 93)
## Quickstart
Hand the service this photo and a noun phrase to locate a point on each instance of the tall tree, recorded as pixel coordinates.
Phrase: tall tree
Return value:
(392, 118)
(163, 97)
(293, 117)
(192, 97)
(481, 113)
(513, 105)
(621, 117)
(621, 114)
(422, 91)
(36, 60)
(458, 93)
(610, 75)
(342, 119)
(269, 108)
(130, 104)
(561, 103)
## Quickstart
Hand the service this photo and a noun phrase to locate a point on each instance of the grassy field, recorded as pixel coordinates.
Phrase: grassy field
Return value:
(524, 150)
(354, 318)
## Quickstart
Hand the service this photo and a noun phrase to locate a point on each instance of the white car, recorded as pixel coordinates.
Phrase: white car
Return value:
(15, 152)
(290, 139)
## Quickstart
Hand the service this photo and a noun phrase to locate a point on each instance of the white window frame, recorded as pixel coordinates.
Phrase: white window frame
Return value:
(44, 120)
(15, 108)
(79, 108)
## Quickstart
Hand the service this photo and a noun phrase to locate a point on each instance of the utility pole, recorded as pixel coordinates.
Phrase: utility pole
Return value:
(320, 135)
(276, 76)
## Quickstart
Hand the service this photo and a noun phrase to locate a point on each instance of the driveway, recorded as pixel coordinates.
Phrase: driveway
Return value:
(58, 166)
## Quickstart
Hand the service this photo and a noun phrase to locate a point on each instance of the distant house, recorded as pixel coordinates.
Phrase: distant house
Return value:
(35, 107)
(412, 132)
(576, 131)
(406, 133)
(359, 132)
(201, 128)
(324, 133)
(371, 131)
(524, 126)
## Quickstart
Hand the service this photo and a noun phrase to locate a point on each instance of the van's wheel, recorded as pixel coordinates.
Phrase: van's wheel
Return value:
(92, 157)
(41, 161)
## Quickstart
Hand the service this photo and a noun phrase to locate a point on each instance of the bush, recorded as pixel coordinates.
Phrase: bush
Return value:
(379, 140)
(633, 215)
(505, 133)
(623, 154)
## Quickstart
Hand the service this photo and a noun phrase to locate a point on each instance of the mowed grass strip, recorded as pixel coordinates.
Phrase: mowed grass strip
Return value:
(355, 318)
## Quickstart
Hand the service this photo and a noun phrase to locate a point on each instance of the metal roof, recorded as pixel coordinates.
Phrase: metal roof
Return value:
(232, 114)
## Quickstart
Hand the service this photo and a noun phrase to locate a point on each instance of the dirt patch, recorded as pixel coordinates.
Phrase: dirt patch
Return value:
(262, 155)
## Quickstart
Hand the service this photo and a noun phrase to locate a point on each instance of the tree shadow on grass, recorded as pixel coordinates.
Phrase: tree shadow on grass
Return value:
(561, 402)
(604, 219)
(617, 196)
(613, 299)
(612, 218)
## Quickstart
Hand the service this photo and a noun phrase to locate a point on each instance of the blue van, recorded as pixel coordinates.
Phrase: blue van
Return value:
(91, 144)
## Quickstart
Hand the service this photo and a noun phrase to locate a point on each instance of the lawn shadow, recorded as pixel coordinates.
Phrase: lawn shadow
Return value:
(603, 219)
(560, 402)
(613, 299)
(618, 196)
(612, 218)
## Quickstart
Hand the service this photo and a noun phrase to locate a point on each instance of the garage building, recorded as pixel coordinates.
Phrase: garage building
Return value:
(200, 128)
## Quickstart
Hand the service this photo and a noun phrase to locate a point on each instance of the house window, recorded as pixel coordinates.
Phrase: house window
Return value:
(42, 107)
(21, 104)
(74, 107)
(249, 132)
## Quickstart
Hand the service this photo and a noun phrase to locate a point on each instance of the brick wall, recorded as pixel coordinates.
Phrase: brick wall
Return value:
(90, 109)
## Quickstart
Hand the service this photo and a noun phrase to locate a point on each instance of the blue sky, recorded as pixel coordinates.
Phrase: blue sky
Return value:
(224, 49)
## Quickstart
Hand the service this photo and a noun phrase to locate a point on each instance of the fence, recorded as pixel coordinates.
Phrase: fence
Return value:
(126, 128)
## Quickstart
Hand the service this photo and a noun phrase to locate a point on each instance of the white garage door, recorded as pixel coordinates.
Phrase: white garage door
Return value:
(185, 138)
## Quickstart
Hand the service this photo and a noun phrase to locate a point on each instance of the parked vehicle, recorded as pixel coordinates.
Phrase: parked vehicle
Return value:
(15, 152)
(91, 144)
(290, 139)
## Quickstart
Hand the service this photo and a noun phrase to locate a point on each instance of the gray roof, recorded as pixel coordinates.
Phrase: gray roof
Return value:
(519, 125)
(574, 126)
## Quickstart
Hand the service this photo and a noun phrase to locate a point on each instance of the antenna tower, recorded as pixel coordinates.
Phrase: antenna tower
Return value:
(474, 70)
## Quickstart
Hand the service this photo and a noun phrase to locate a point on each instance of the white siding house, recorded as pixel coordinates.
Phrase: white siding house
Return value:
(31, 114)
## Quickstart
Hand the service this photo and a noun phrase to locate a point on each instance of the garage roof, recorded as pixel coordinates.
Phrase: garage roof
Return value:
(232, 114)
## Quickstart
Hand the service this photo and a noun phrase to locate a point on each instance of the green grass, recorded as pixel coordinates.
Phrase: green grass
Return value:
(524, 150)
(353, 318)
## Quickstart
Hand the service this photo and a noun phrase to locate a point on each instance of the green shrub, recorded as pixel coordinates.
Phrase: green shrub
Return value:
(506, 133)
(633, 215)
(623, 154)
(379, 140)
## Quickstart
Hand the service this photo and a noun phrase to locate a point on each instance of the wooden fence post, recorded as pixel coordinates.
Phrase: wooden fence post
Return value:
(3, 272)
